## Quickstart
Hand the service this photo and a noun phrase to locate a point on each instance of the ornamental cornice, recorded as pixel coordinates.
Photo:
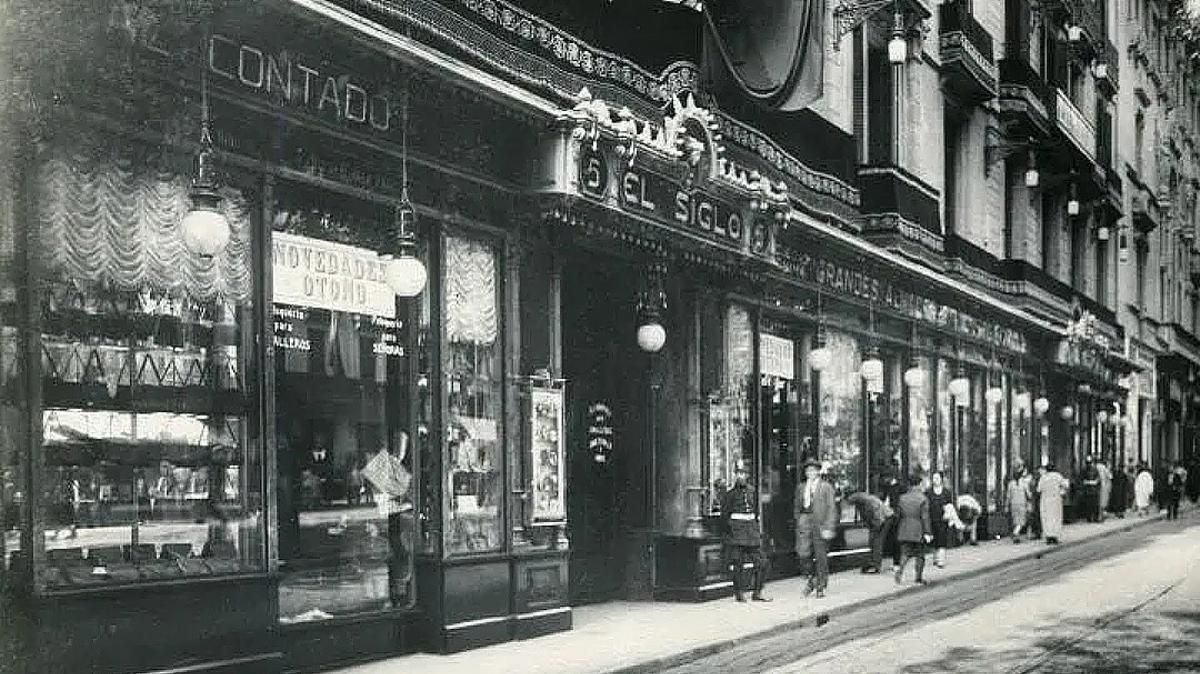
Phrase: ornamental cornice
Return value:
(535, 53)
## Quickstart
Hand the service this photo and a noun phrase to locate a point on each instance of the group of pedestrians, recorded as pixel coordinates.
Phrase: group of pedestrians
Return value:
(919, 515)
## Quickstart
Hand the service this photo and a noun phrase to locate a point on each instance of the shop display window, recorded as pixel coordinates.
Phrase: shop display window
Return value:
(151, 467)
(841, 436)
(342, 390)
(920, 420)
(947, 416)
(473, 365)
(975, 443)
(12, 466)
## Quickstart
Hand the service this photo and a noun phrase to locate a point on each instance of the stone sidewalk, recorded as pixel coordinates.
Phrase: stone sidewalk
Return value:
(636, 637)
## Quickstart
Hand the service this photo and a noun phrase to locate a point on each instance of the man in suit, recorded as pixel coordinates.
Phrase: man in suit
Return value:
(743, 540)
(816, 523)
(915, 529)
(874, 512)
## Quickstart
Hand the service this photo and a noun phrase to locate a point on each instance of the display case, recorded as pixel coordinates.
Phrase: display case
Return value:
(149, 462)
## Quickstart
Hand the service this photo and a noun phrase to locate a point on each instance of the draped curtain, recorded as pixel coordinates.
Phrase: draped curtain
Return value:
(106, 220)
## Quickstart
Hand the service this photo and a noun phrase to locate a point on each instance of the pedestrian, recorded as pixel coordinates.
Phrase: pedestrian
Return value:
(1019, 496)
(1052, 487)
(1175, 482)
(1035, 506)
(874, 512)
(1143, 490)
(1105, 488)
(816, 523)
(1192, 483)
(940, 498)
(894, 489)
(1120, 492)
(1090, 478)
(743, 539)
(969, 511)
(915, 529)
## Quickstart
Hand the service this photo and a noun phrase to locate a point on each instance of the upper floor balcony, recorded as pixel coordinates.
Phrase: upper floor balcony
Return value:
(1084, 20)
(1108, 70)
(1026, 284)
(967, 52)
(899, 209)
(1073, 124)
(1146, 215)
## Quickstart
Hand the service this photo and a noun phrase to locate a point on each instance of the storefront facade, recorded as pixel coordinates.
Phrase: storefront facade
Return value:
(621, 308)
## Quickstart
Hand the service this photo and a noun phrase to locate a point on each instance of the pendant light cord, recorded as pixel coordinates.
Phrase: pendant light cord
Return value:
(404, 144)
(206, 140)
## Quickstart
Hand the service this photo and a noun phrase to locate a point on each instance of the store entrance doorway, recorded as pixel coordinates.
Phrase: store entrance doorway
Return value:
(605, 466)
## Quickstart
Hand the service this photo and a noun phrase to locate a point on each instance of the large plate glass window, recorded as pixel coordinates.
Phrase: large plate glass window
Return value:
(472, 361)
(151, 466)
(342, 393)
(12, 400)
(841, 415)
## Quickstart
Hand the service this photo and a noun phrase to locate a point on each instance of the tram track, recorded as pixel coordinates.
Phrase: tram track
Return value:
(910, 610)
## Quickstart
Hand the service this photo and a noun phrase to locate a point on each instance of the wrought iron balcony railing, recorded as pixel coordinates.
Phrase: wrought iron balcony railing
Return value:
(967, 51)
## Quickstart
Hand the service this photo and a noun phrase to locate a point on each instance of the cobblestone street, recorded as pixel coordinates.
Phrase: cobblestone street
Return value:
(1132, 612)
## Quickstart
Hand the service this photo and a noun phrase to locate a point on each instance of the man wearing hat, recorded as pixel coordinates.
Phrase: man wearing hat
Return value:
(816, 523)
(743, 541)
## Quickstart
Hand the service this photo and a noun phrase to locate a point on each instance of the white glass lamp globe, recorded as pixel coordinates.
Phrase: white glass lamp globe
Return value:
(1073, 207)
(914, 377)
(405, 275)
(820, 358)
(959, 387)
(1022, 401)
(204, 230)
(897, 50)
(994, 394)
(872, 369)
(651, 336)
(1067, 412)
(1102, 417)
(1041, 405)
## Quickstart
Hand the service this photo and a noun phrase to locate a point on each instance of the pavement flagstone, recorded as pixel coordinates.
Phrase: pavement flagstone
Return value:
(644, 637)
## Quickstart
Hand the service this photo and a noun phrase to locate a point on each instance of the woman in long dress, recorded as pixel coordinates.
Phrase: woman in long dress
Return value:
(1051, 489)
(1106, 482)
(1018, 503)
(1143, 490)
(939, 496)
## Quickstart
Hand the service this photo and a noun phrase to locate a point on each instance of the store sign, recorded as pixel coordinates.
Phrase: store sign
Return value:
(600, 431)
(650, 194)
(846, 281)
(311, 85)
(324, 275)
(776, 357)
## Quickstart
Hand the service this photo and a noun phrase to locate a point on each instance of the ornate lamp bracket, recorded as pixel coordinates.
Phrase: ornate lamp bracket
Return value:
(850, 14)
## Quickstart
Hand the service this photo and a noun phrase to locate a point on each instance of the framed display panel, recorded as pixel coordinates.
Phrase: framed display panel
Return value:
(150, 461)
(346, 459)
(546, 431)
